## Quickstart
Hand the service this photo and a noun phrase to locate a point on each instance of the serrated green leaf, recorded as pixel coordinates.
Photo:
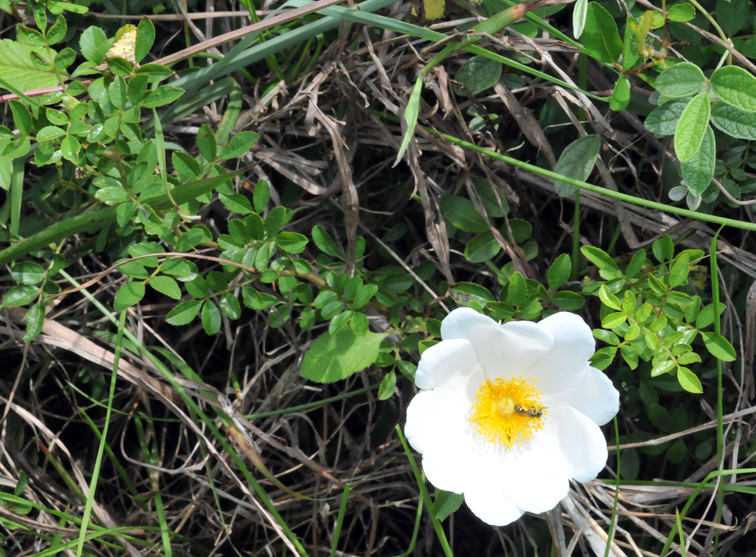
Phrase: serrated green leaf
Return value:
(577, 162)
(518, 290)
(478, 74)
(291, 242)
(335, 357)
(166, 285)
(681, 81)
(735, 86)
(261, 196)
(699, 170)
(128, 295)
(719, 346)
(211, 318)
(239, 144)
(559, 272)
(17, 67)
(692, 126)
(599, 257)
(144, 39)
(600, 35)
(324, 241)
(364, 295)
(184, 313)
(94, 44)
(163, 95)
(608, 298)
(386, 388)
(35, 319)
(20, 296)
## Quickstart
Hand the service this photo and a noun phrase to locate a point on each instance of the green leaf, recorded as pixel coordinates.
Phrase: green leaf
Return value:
(621, 95)
(35, 318)
(732, 15)
(608, 298)
(359, 324)
(680, 81)
(692, 126)
(735, 86)
(559, 272)
(719, 346)
(94, 45)
(261, 196)
(184, 313)
(734, 121)
(117, 92)
(663, 119)
(237, 203)
(466, 292)
(410, 117)
(689, 381)
(613, 320)
(518, 290)
(386, 389)
(119, 66)
(166, 285)
(112, 196)
(128, 295)
(462, 214)
(29, 36)
(229, 304)
(57, 32)
(678, 274)
(324, 241)
(211, 318)
(599, 257)
(50, 133)
(18, 68)
(239, 144)
(206, 144)
(681, 12)
(163, 95)
(579, 15)
(699, 170)
(335, 357)
(70, 148)
(21, 117)
(478, 74)
(600, 36)
(446, 503)
(291, 242)
(20, 296)
(28, 272)
(568, 300)
(576, 162)
(144, 39)
(364, 295)
(482, 248)
(338, 322)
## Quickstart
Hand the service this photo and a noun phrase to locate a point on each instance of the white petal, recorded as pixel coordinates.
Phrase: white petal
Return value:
(590, 392)
(535, 477)
(445, 466)
(490, 505)
(449, 360)
(573, 346)
(581, 442)
(504, 351)
(434, 418)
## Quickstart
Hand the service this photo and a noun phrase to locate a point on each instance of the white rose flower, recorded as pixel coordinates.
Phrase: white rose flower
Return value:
(507, 414)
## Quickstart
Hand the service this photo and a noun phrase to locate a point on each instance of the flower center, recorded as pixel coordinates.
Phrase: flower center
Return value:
(507, 412)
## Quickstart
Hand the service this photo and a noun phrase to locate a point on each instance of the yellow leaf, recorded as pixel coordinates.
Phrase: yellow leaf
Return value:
(434, 9)
(124, 45)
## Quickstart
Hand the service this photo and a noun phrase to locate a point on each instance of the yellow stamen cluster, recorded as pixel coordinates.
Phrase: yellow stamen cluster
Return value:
(500, 414)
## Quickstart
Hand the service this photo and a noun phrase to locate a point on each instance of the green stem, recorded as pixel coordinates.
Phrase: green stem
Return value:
(713, 21)
(597, 189)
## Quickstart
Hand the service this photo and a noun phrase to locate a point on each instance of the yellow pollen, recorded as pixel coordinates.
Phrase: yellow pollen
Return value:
(507, 412)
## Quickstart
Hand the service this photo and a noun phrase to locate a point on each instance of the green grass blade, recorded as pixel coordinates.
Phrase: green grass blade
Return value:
(340, 519)
(103, 439)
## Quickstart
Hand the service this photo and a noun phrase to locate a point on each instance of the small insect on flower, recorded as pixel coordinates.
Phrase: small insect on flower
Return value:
(530, 411)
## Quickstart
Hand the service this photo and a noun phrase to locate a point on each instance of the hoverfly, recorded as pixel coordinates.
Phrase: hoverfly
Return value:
(530, 412)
